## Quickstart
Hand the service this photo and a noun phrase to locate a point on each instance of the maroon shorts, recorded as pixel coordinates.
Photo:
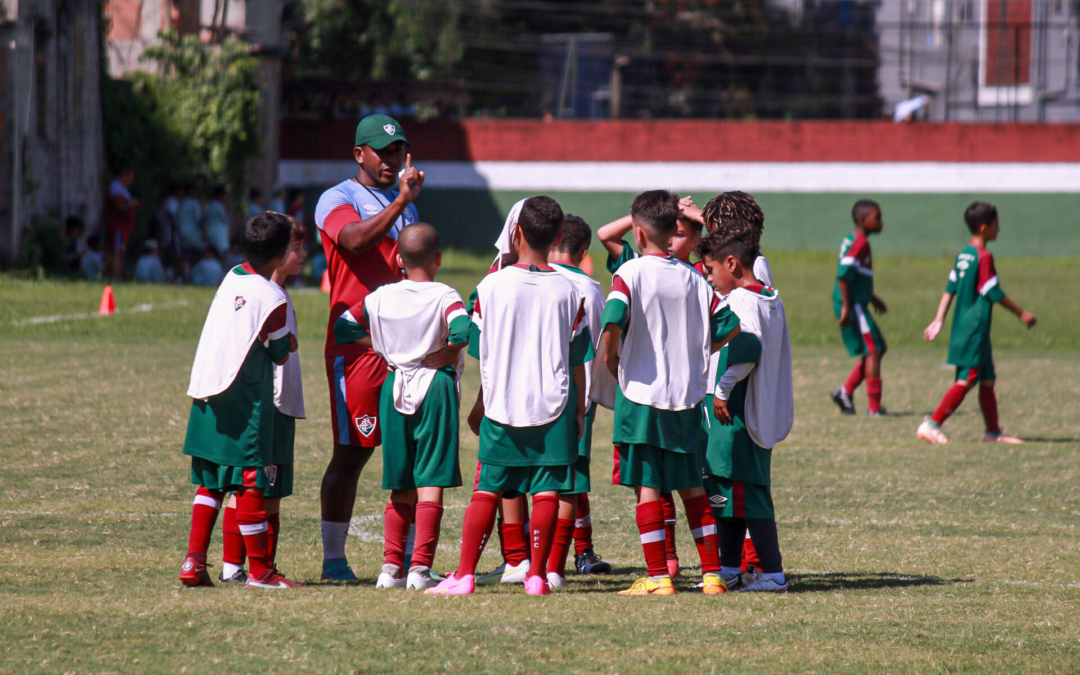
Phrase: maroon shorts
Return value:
(355, 385)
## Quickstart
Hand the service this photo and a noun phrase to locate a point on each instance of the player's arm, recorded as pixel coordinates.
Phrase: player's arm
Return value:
(363, 234)
(353, 327)
(743, 354)
(879, 305)
(613, 335)
(990, 288)
(614, 319)
(458, 326)
(275, 335)
(935, 326)
(845, 300)
(611, 235)
(1027, 318)
(579, 405)
(723, 324)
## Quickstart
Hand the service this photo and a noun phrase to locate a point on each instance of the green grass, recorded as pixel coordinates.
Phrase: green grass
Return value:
(903, 557)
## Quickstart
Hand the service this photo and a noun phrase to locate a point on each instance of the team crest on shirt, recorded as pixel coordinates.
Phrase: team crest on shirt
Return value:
(271, 474)
(390, 129)
(366, 425)
(238, 303)
(371, 208)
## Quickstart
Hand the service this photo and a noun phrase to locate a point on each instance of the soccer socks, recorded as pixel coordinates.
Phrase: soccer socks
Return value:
(650, 522)
(564, 534)
(428, 522)
(988, 403)
(873, 394)
(333, 539)
(949, 403)
(667, 503)
(397, 518)
(273, 525)
(749, 554)
(204, 513)
(251, 516)
(545, 512)
(763, 532)
(703, 527)
(514, 549)
(583, 525)
(232, 543)
(855, 378)
(732, 535)
(479, 519)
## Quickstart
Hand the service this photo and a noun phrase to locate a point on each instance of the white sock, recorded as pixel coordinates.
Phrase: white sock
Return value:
(228, 569)
(333, 539)
(730, 573)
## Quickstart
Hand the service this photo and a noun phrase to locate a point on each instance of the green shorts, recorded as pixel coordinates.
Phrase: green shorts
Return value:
(582, 483)
(525, 480)
(739, 500)
(585, 444)
(862, 336)
(284, 439)
(981, 373)
(653, 467)
(214, 476)
(421, 450)
(280, 481)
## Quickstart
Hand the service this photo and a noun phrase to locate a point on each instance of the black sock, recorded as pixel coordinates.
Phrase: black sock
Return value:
(732, 534)
(763, 534)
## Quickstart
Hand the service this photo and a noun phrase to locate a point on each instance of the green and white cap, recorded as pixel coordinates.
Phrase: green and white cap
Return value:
(379, 131)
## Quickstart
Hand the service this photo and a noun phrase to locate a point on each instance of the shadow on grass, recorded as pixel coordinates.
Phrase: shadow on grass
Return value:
(858, 581)
(1034, 439)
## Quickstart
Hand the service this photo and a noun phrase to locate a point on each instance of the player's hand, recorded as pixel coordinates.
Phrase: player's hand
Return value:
(440, 358)
(293, 345)
(845, 317)
(412, 179)
(878, 305)
(476, 416)
(1027, 318)
(579, 415)
(932, 330)
(719, 408)
(690, 211)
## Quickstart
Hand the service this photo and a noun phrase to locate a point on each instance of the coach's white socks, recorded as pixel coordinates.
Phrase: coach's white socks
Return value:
(333, 539)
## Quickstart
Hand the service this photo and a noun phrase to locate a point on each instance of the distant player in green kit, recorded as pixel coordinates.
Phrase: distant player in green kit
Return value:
(852, 300)
(973, 282)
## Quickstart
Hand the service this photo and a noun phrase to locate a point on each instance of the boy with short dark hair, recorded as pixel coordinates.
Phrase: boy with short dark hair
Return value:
(666, 319)
(233, 416)
(852, 299)
(530, 336)
(420, 327)
(752, 409)
(973, 282)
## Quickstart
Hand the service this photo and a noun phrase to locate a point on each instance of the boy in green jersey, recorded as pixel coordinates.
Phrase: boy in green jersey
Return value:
(973, 282)
(852, 299)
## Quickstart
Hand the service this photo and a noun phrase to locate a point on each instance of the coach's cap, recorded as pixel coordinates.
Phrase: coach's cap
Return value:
(379, 131)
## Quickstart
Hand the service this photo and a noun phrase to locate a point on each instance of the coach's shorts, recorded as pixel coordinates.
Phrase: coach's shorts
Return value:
(421, 450)
(355, 384)
(525, 480)
(653, 467)
(862, 336)
(981, 373)
(734, 499)
(214, 476)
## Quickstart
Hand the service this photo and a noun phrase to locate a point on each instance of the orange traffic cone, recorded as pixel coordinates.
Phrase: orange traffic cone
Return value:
(326, 281)
(108, 302)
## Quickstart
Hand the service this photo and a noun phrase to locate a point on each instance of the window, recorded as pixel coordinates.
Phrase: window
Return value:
(1005, 53)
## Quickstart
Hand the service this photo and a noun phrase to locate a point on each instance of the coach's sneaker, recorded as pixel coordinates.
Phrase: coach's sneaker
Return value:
(235, 574)
(505, 574)
(880, 412)
(193, 573)
(390, 577)
(766, 583)
(713, 584)
(272, 579)
(650, 586)
(930, 432)
(1000, 437)
(842, 399)
(451, 585)
(590, 563)
(421, 578)
(554, 580)
(537, 585)
(337, 569)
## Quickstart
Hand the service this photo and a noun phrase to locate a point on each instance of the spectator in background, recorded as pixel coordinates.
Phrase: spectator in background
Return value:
(169, 225)
(235, 256)
(148, 270)
(255, 206)
(208, 271)
(73, 243)
(217, 222)
(93, 262)
(189, 218)
(295, 207)
(120, 218)
(277, 203)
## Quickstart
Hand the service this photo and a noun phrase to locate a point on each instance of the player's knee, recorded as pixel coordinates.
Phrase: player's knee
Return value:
(987, 384)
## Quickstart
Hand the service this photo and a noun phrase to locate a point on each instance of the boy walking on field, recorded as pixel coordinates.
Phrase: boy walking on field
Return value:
(666, 319)
(233, 416)
(530, 336)
(420, 327)
(852, 300)
(973, 282)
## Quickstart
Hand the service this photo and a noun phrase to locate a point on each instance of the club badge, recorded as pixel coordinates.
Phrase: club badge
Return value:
(366, 425)
(238, 303)
(390, 129)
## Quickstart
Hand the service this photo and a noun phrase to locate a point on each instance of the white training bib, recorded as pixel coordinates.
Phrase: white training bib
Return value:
(288, 384)
(600, 384)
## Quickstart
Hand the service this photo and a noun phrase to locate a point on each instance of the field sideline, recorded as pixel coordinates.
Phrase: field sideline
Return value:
(903, 557)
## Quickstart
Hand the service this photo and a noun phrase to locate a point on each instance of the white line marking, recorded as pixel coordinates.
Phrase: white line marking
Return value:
(54, 318)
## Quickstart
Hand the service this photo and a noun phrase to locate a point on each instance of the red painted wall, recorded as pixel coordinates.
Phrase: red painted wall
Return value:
(702, 141)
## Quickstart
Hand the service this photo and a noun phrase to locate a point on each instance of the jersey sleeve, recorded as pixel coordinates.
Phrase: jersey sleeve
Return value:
(721, 320)
(989, 287)
(849, 258)
(335, 213)
(954, 279)
(476, 325)
(457, 319)
(581, 348)
(352, 325)
(274, 334)
(744, 348)
(615, 262)
(617, 307)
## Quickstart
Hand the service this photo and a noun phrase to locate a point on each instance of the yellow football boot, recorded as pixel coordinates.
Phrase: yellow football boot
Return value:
(713, 584)
(647, 586)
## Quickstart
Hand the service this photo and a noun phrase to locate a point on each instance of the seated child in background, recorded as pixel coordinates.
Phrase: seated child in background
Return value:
(420, 327)
(92, 263)
(230, 434)
(752, 410)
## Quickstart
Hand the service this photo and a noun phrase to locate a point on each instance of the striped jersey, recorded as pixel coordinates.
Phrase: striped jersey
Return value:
(974, 281)
(856, 267)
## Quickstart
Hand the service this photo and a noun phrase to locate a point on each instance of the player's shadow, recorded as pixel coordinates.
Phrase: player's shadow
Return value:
(1034, 439)
(823, 582)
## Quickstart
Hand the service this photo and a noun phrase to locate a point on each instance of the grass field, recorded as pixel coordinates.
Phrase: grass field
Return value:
(903, 557)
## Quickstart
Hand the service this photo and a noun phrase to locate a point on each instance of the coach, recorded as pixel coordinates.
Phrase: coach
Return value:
(359, 220)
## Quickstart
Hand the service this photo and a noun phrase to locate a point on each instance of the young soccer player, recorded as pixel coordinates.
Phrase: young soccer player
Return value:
(530, 335)
(575, 522)
(666, 318)
(687, 232)
(752, 410)
(852, 299)
(232, 425)
(288, 407)
(420, 327)
(973, 282)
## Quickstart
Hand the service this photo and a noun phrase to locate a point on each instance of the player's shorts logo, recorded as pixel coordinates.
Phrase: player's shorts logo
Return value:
(366, 425)
(271, 474)
(238, 303)
(390, 129)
